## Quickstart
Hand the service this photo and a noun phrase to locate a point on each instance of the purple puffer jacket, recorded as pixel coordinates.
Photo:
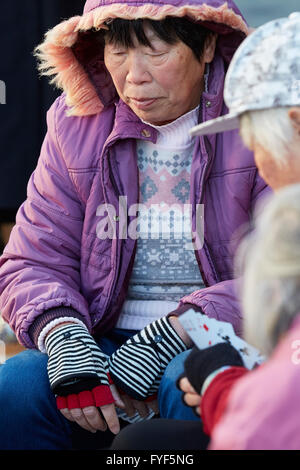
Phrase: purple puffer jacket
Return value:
(58, 263)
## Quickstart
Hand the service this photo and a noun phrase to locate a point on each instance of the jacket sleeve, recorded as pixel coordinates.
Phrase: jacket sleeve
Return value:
(222, 300)
(215, 397)
(40, 266)
(262, 411)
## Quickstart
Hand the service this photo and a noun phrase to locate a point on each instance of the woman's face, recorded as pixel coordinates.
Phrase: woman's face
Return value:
(277, 176)
(159, 83)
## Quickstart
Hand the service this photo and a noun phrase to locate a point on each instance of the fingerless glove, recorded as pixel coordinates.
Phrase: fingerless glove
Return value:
(200, 363)
(137, 367)
(76, 364)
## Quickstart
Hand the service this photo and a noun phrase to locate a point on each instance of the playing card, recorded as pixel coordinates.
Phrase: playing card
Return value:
(206, 332)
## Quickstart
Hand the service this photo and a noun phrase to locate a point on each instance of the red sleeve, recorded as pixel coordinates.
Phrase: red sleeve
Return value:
(214, 400)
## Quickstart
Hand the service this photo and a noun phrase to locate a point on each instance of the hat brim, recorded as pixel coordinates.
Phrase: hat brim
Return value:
(228, 122)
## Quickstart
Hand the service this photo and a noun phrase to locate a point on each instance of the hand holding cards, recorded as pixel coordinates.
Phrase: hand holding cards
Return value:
(205, 332)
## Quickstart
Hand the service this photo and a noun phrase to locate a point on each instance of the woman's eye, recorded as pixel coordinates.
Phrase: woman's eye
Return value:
(156, 54)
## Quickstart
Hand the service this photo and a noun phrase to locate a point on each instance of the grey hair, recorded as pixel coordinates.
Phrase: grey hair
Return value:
(271, 129)
(268, 263)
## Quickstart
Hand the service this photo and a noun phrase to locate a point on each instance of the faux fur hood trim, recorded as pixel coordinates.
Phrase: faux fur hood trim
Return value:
(67, 56)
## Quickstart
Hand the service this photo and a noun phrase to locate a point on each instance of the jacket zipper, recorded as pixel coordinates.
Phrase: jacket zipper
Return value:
(203, 184)
(117, 261)
(117, 270)
(204, 181)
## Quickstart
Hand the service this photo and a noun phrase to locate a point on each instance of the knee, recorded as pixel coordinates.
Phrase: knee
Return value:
(169, 396)
(23, 376)
(29, 418)
(173, 371)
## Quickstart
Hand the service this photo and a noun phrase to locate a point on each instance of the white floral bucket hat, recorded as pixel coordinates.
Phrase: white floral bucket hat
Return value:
(264, 73)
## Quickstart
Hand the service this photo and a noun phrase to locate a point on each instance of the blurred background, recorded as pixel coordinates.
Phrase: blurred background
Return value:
(258, 12)
(23, 117)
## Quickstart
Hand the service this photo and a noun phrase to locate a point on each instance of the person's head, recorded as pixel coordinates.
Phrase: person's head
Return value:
(274, 137)
(262, 91)
(158, 66)
(73, 54)
(268, 262)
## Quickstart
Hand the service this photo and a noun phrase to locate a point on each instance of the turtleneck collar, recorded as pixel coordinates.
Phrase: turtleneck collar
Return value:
(176, 133)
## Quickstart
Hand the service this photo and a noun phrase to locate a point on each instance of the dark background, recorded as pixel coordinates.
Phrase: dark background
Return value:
(23, 117)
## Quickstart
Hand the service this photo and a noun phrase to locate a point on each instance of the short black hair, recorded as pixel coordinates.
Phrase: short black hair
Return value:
(171, 30)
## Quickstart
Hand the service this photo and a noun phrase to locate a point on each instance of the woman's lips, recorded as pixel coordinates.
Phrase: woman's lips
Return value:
(142, 103)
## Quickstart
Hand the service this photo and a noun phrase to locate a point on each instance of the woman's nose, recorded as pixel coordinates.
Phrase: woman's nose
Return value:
(138, 71)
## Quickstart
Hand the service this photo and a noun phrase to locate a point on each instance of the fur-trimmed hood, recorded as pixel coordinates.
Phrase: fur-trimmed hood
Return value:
(74, 60)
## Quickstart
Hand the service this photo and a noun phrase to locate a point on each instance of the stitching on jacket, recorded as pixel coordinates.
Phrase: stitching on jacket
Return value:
(51, 209)
(55, 125)
(47, 234)
(233, 171)
(82, 202)
(84, 170)
(61, 153)
(97, 268)
(92, 250)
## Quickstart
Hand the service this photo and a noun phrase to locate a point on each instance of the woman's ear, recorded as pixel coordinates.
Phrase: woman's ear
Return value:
(294, 115)
(210, 48)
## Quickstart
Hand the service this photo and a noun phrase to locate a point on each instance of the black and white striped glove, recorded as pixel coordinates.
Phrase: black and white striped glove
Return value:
(76, 364)
(138, 365)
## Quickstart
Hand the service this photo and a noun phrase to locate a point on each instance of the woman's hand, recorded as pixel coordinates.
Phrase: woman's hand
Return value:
(92, 418)
(79, 377)
(142, 407)
(190, 396)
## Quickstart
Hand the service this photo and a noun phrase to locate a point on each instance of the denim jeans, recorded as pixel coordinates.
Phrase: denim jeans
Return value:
(169, 397)
(30, 420)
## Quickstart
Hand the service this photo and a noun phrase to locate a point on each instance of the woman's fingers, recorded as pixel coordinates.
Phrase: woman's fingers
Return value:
(119, 402)
(141, 408)
(88, 418)
(110, 415)
(94, 419)
(153, 405)
(66, 413)
(129, 408)
(192, 399)
(132, 406)
(190, 396)
(80, 419)
(186, 386)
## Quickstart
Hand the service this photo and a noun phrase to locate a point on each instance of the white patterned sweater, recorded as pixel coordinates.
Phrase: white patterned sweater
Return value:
(165, 267)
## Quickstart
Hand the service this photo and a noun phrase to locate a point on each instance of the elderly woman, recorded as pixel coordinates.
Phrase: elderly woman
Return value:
(257, 409)
(103, 249)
